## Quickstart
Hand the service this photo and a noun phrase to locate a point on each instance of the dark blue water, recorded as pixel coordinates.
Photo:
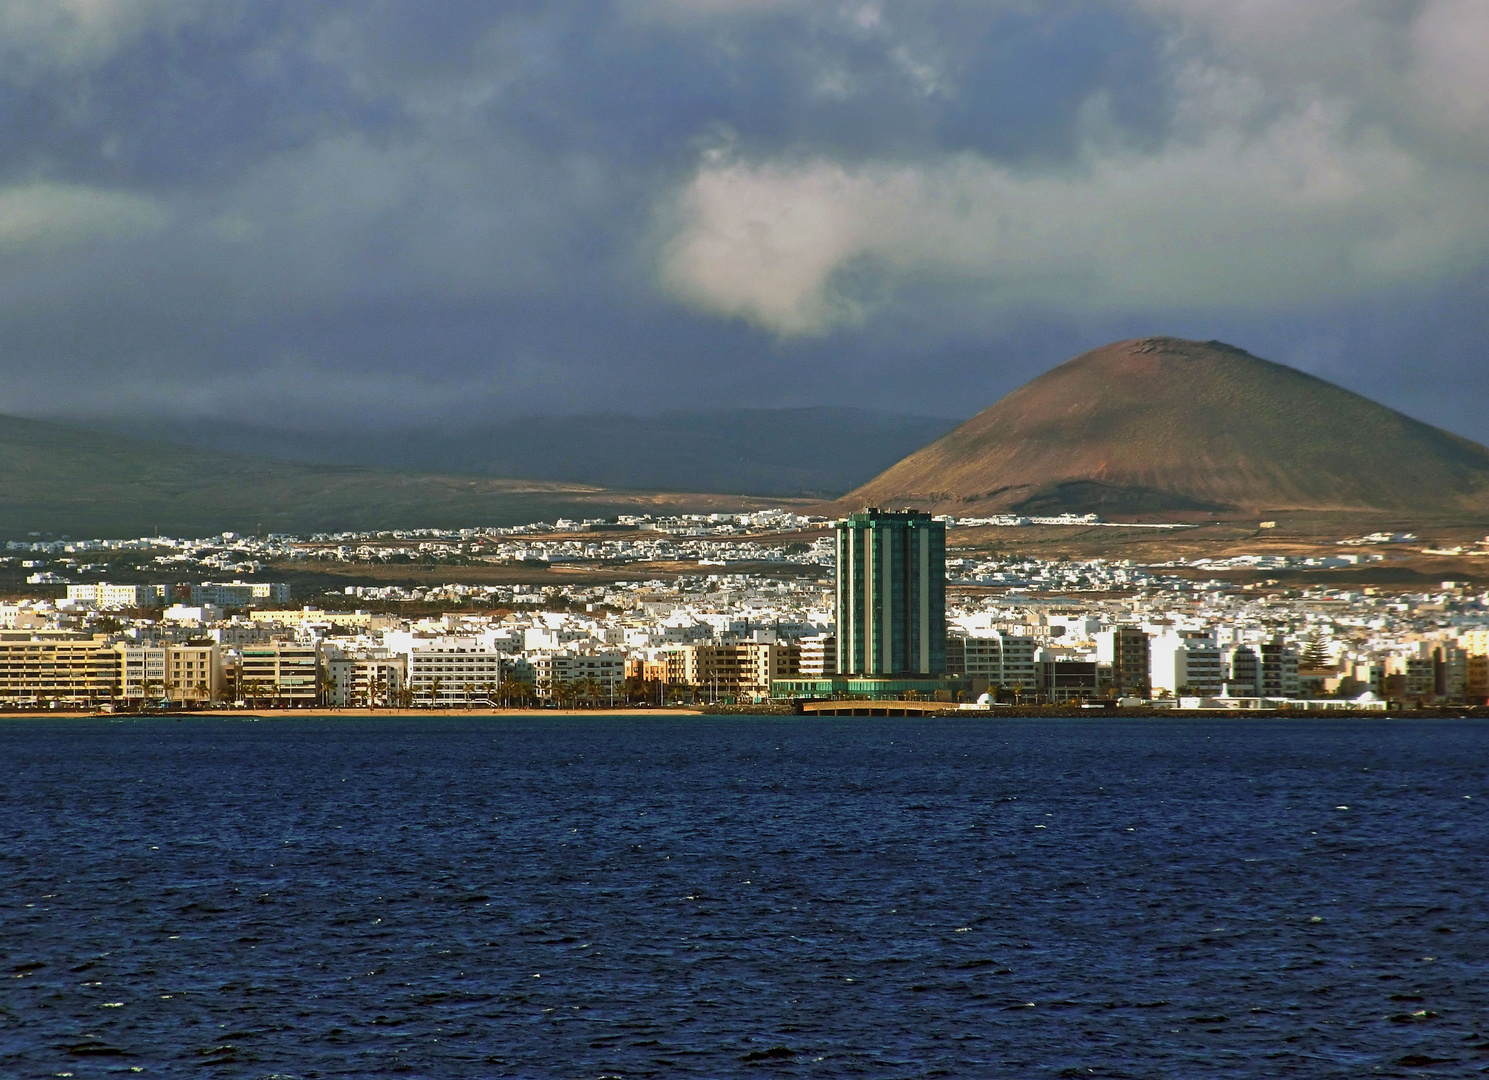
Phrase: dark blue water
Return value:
(743, 897)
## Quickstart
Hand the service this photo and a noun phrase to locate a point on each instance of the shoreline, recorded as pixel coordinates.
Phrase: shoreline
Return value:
(1008, 713)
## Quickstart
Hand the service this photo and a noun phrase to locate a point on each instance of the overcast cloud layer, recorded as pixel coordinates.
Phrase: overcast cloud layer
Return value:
(393, 212)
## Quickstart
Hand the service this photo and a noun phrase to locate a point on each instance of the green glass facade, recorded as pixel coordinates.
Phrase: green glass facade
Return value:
(891, 594)
(871, 687)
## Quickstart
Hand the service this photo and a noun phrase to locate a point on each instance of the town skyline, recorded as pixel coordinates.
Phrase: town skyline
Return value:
(725, 609)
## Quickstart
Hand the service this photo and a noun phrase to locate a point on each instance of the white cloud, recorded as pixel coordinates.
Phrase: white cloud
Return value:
(1422, 65)
(1450, 65)
(50, 216)
(38, 36)
(1306, 207)
(1316, 149)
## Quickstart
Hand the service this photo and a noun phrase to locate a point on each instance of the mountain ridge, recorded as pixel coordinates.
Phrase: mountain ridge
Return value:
(819, 451)
(58, 479)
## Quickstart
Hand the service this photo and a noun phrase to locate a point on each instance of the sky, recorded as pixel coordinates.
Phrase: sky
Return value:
(360, 212)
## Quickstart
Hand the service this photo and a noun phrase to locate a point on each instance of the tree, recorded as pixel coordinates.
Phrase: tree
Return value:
(515, 692)
(1316, 654)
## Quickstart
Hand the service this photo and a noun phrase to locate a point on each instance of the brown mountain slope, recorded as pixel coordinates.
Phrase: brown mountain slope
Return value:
(1163, 424)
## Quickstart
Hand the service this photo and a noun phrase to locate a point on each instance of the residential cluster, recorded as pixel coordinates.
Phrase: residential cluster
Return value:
(764, 610)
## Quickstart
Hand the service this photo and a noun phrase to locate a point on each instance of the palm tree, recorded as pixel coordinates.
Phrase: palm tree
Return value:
(513, 692)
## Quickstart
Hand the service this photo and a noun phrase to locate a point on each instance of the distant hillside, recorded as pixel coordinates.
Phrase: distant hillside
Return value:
(809, 451)
(56, 479)
(1162, 425)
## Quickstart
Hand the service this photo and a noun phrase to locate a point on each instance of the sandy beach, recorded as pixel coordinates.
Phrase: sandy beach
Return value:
(348, 714)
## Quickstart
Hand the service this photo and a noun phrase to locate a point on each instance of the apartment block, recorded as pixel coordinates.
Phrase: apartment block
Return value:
(1063, 681)
(817, 656)
(451, 671)
(552, 670)
(142, 672)
(1126, 651)
(739, 670)
(281, 672)
(1279, 670)
(1187, 665)
(107, 596)
(193, 673)
(240, 593)
(1243, 677)
(71, 669)
(999, 658)
(365, 681)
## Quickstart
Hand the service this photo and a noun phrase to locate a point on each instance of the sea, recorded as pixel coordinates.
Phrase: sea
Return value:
(657, 896)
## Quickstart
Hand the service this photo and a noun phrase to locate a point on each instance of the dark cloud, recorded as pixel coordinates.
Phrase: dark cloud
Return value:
(386, 211)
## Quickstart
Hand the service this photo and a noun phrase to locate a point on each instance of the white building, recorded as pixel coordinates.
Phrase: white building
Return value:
(369, 680)
(240, 593)
(607, 669)
(1002, 659)
(104, 595)
(1184, 664)
(819, 656)
(448, 671)
(186, 613)
(142, 671)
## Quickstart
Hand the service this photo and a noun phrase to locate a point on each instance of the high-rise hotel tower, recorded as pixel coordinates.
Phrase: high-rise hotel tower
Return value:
(891, 599)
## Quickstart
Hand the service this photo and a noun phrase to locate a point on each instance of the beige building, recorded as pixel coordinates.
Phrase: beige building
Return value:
(193, 673)
(281, 673)
(738, 670)
(1476, 675)
(44, 668)
(350, 620)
